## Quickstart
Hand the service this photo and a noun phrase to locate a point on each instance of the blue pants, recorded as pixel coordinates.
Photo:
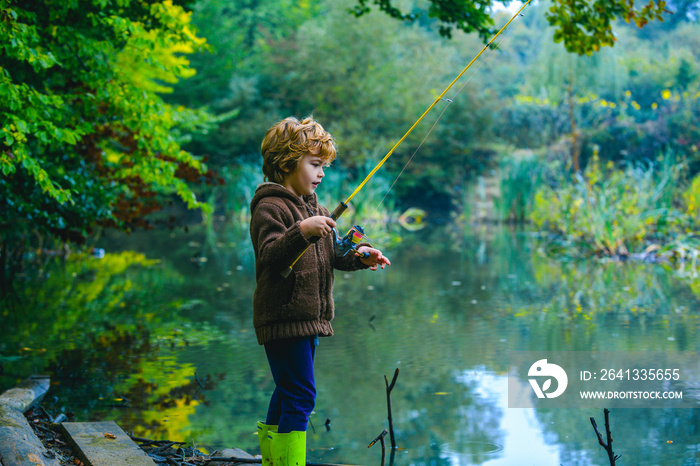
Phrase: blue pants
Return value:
(292, 366)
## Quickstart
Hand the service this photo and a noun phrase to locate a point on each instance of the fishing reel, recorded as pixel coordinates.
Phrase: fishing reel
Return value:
(342, 246)
(349, 242)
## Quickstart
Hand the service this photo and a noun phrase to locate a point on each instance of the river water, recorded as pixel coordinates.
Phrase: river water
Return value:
(157, 335)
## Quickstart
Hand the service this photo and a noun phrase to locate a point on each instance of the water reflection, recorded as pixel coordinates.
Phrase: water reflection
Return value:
(161, 341)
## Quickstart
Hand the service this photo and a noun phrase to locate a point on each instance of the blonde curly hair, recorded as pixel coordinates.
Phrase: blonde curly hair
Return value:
(287, 141)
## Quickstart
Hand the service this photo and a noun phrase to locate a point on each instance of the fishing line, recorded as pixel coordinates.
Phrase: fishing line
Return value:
(342, 206)
(449, 102)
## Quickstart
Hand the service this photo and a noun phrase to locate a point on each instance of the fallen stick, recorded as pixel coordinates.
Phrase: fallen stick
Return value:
(148, 442)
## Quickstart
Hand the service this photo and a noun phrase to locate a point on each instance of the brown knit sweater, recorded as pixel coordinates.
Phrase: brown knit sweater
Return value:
(302, 303)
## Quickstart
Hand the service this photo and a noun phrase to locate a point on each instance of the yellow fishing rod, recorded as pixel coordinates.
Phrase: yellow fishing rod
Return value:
(342, 206)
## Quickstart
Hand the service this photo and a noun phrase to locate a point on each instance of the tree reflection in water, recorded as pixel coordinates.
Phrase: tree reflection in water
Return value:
(164, 346)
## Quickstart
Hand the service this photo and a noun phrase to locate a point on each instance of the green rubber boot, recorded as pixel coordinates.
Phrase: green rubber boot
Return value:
(288, 449)
(264, 440)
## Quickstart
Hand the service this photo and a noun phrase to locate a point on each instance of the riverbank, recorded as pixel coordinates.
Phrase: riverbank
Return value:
(54, 439)
(29, 435)
(18, 443)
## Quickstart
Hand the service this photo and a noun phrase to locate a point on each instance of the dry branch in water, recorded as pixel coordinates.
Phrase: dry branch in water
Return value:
(608, 446)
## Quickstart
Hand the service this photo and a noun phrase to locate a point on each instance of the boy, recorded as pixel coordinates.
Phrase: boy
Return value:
(291, 313)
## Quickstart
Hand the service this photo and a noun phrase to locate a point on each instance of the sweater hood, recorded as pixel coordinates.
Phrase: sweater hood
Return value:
(268, 189)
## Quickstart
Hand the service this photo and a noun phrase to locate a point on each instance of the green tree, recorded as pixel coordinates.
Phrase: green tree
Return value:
(85, 138)
(240, 34)
(584, 26)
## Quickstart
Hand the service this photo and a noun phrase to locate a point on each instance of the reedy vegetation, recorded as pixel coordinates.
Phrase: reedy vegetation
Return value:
(616, 212)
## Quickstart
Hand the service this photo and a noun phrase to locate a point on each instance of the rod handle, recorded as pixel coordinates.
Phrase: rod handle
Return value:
(339, 210)
(335, 215)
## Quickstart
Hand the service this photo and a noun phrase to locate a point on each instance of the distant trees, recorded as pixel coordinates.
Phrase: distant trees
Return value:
(368, 78)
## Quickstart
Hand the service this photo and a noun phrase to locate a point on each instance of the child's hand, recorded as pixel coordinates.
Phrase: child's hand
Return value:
(319, 225)
(375, 260)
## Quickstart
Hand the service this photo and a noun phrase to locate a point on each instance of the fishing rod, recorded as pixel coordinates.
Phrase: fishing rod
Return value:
(346, 243)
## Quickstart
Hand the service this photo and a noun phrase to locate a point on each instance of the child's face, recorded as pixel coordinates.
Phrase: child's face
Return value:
(306, 176)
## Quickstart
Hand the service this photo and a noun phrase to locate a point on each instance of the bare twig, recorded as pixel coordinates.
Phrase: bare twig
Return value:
(201, 385)
(608, 446)
(389, 388)
(380, 437)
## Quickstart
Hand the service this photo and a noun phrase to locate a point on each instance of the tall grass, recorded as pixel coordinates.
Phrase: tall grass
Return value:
(616, 211)
(519, 175)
